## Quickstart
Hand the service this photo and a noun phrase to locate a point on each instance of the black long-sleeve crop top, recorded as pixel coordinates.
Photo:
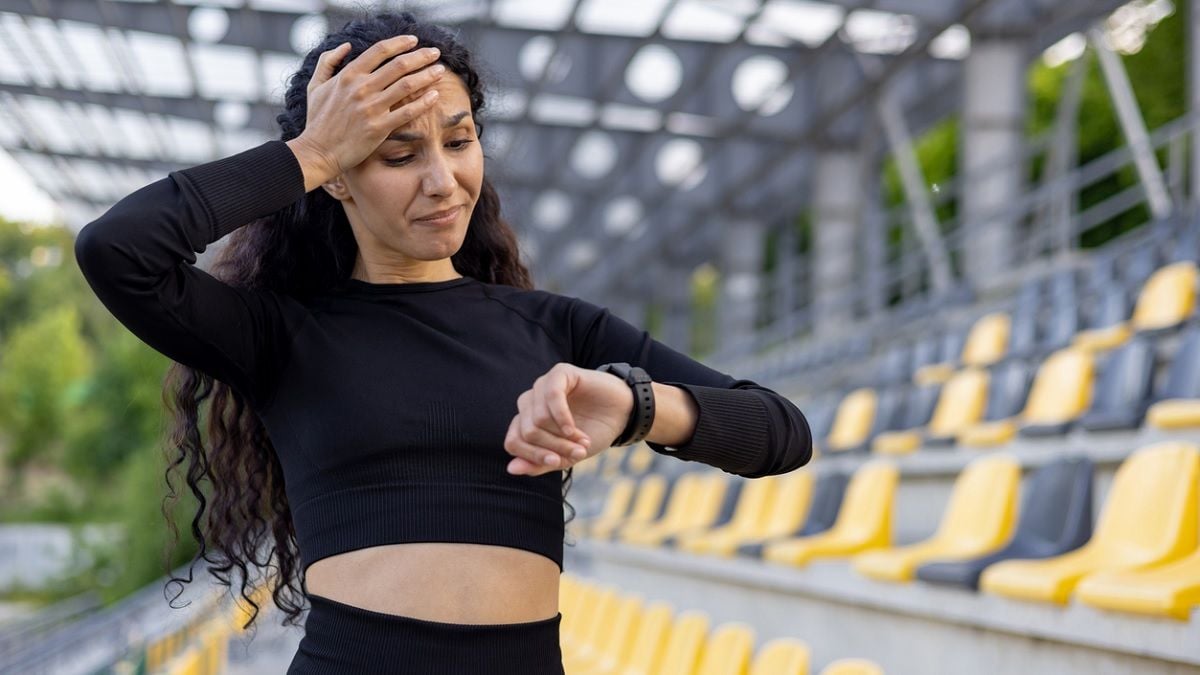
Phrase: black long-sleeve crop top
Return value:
(388, 403)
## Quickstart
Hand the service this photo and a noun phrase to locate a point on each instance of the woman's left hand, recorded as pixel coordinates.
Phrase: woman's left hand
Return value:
(568, 408)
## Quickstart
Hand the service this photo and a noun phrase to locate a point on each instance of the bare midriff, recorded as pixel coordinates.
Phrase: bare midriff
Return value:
(448, 582)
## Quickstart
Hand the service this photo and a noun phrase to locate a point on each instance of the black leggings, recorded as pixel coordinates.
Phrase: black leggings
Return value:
(344, 639)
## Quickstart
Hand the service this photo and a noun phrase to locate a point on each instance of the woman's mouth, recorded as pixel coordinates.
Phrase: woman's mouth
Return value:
(441, 218)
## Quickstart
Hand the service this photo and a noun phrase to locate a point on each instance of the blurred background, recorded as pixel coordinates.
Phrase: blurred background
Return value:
(960, 235)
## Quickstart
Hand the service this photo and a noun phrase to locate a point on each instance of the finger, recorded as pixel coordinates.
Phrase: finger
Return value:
(412, 110)
(531, 432)
(410, 86)
(534, 455)
(401, 65)
(379, 52)
(519, 466)
(326, 62)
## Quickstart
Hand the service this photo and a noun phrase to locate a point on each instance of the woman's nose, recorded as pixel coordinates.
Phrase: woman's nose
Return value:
(438, 179)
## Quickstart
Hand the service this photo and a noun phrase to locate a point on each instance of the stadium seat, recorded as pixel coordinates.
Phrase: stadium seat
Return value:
(698, 508)
(640, 460)
(895, 366)
(1060, 393)
(782, 656)
(853, 421)
(1178, 399)
(1171, 589)
(852, 667)
(978, 519)
(918, 409)
(613, 459)
(752, 504)
(612, 640)
(1138, 265)
(1122, 391)
(728, 650)
(1008, 389)
(651, 491)
(1055, 517)
(1107, 328)
(646, 653)
(950, 348)
(960, 405)
(1059, 328)
(1149, 517)
(681, 653)
(1023, 333)
(863, 523)
(591, 615)
(616, 504)
(821, 514)
(1168, 298)
(988, 340)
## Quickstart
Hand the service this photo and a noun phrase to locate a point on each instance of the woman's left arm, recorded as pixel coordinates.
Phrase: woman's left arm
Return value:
(702, 414)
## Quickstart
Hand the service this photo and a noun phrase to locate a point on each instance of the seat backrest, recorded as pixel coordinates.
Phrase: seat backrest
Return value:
(753, 501)
(646, 654)
(889, 410)
(918, 407)
(727, 650)
(1056, 510)
(1111, 308)
(867, 508)
(1022, 336)
(820, 414)
(719, 498)
(988, 340)
(640, 460)
(1168, 298)
(826, 502)
(790, 503)
(983, 502)
(782, 656)
(951, 345)
(1150, 509)
(1008, 388)
(1125, 379)
(682, 651)
(1061, 325)
(617, 640)
(1183, 375)
(961, 402)
(613, 461)
(649, 502)
(852, 424)
(686, 498)
(895, 366)
(620, 496)
(1138, 266)
(599, 612)
(925, 352)
(1062, 389)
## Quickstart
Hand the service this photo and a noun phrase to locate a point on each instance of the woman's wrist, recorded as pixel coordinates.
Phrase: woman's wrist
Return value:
(315, 166)
(675, 415)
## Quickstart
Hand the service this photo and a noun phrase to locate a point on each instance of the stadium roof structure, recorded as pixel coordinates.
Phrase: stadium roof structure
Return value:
(620, 132)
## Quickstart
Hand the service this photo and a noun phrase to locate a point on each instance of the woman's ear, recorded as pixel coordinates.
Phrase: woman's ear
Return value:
(336, 187)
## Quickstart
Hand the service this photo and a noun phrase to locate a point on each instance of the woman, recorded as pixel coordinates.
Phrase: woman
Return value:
(392, 402)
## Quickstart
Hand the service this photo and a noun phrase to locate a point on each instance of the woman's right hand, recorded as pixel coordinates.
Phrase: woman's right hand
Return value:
(351, 113)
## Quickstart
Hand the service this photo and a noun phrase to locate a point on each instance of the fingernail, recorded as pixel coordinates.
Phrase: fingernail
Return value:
(551, 459)
(434, 51)
(430, 95)
(586, 442)
(578, 453)
(438, 69)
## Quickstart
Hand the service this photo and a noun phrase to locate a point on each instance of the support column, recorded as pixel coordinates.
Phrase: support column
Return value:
(993, 133)
(743, 243)
(837, 199)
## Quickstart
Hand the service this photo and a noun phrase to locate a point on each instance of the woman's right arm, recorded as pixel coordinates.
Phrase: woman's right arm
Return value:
(139, 259)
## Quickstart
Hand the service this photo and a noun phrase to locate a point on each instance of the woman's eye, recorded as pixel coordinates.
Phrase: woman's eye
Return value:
(398, 161)
(458, 145)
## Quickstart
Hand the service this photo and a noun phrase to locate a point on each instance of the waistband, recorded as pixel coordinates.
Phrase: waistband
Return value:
(345, 638)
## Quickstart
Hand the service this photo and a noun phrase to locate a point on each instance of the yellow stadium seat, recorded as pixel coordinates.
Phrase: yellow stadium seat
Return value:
(596, 603)
(782, 656)
(695, 510)
(1061, 392)
(988, 340)
(613, 640)
(681, 654)
(612, 462)
(646, 653)
(616, 504)
(1166, 300)
(1149, 518)
(934, 373)
(853, 421)
(1168, 297)
(650, 492)
(1174, 414)
(641, 458)
(960, 405)
(852, 667)
(728, 650)
(864, 521)
(978, 519)
(750, 512)
(1171, 589)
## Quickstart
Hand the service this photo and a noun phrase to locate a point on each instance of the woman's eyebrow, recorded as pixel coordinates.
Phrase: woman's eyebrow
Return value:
(404, 136)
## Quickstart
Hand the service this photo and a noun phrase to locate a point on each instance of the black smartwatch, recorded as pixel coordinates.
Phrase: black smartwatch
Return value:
(642, 417)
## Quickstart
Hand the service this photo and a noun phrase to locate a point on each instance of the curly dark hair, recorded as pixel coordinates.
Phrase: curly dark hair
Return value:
(303, 249)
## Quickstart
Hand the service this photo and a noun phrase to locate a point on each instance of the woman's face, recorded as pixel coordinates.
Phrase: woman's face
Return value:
(432, 165)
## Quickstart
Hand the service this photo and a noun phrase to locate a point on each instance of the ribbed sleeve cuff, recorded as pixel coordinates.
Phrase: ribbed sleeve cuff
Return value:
(240, 188)
(732, 429)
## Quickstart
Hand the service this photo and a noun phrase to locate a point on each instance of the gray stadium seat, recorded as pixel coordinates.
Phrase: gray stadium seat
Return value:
(827, 497)
(1055, 517)
(1122, 390)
